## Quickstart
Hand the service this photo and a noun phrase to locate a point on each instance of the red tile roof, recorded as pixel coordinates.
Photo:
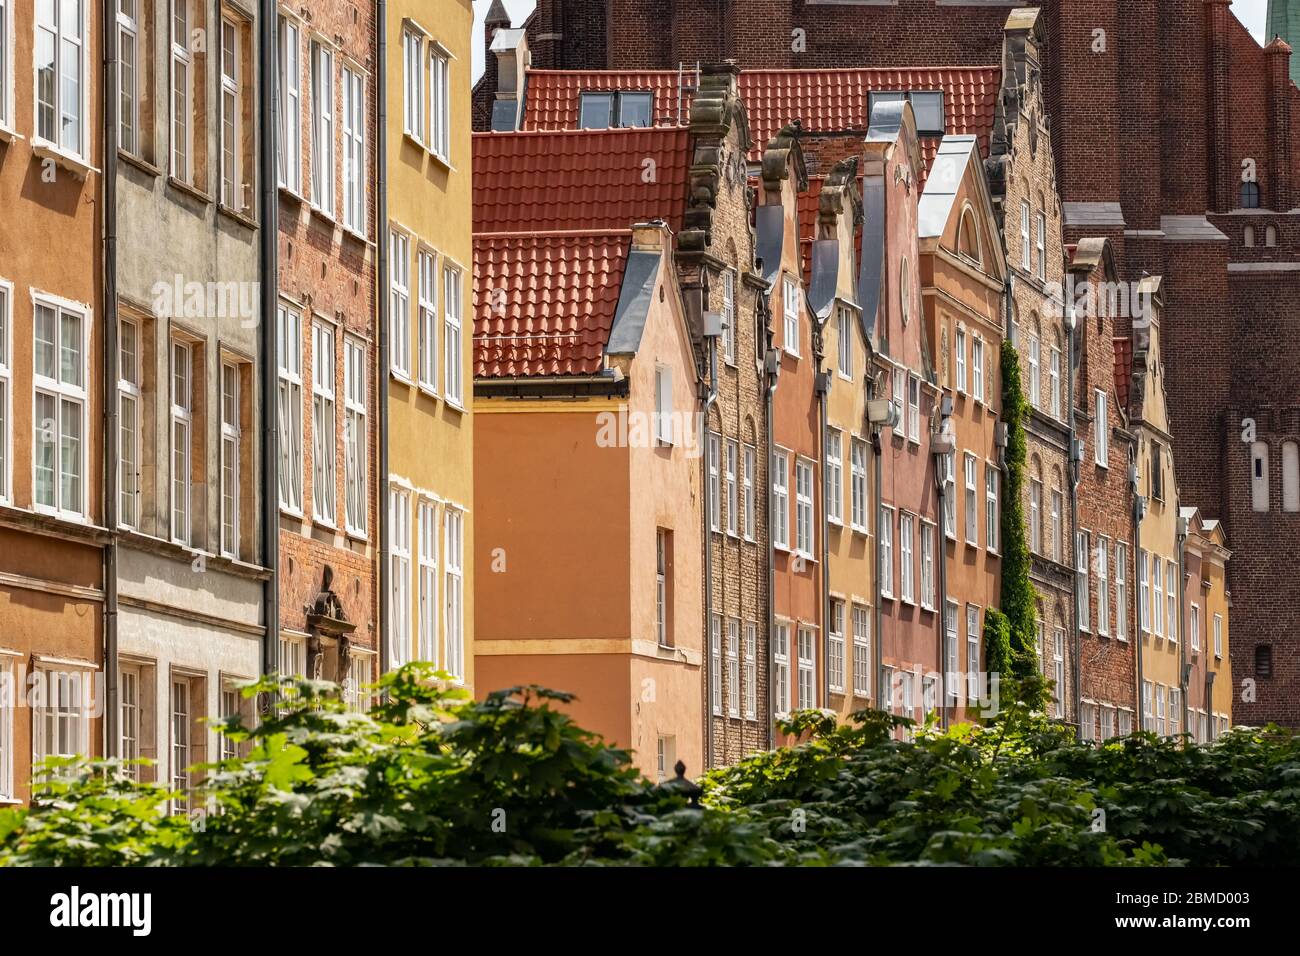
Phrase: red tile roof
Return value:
(1123, 370)
(544, 304)
(824, 100)
(558, 181)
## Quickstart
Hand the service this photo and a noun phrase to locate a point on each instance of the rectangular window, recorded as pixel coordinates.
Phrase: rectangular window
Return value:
(664, 404)
(1057, 525)
(399, 320)
(8, 690)
(291, 657)
(232, 112)
(900, 400)
(781, 500)
(61, 720)
(927, 565)
(790, 304)
(453, 627)
(399, 614)
(182, 91)
(1175, 705)
(322, 127)
(1107, 722)
(1144, 595)
(974, 675)
(451, 313)
(803, 490)
(1035, 516)
(733, 667)
(749, 505)
(834, 476)
(906, 565)
(1194, 627)
(427, 323)
(289, 142)
(858, 481)
(1025, 254)
(948, 463)
(1121, 591)
(1054, 381)
(733, 500)
(59, 60)
(188, 734)
(1103, 585)
(1157, 471)
(663, 586)
(128, 45)
(355, 445)
(128, 413)
(182, 424)
(913, 408)
(715, 481)
(130, 713)
(59, 419)
(1160, 708)
(951, 650)
(1171, 595)
(354, 150)
(835, 650)
(440, 103)
(1086, 721)
(1125, 722)
(1035, 378)
(781, 668)
(1058, 669)
(886, 529)
(1082, 595)
(807, 681)
(1042, 247)
(1101, 445)
(861, 651)
(960, 349)
(231, 441)
(729, 317)
(972, 505)
(992, 519)
(1218, 635)
(356, 693)
(415, 86)
(751, 671)
(977, 368)
(844, 336)
(427, 598)
(888, 689)
(323, 423)
(1157, 598)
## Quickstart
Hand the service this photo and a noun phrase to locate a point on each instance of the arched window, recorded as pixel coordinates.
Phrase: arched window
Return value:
(1250, 195)
(1290, 476)
(1270, 236)
(905, 290)
(968, 242)
(1259, 476)
(1248, 236)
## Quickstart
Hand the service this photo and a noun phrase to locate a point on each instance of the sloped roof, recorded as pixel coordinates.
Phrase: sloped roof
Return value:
(946, 176)
(544, 304)
(1123, 370)
(568, 180)
(552, 95)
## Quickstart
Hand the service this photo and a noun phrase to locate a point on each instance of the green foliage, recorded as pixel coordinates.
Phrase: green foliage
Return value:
(997, 642)
(428, 777)
(1018, 595)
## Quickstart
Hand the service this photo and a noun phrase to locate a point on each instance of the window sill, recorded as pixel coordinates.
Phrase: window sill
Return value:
(886, 596)
(441, 160)
(355, 236)
(414, 140)
(237, 215)
(8, 135)
(188, 189)
(427, 389)
(131, 159)
(324, 215)
(290, 195)
(356, 534)
(859, 529)
(400, 376)
(73, 164)
(454, 405)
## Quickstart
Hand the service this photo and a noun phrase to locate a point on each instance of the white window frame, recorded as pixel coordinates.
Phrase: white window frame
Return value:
(1041, 246)
(1101, 442)
(1171, 595)
(232, 114)
(324, 424)
(969, 470)
(749, 458)
(664, 404)
(835, 648)
(1035, 516)
(289, 406)
(428, 523)
(913, 409)
(181, 462)
(452, 347)
(1082, 586)
(751, 670)
(731, 463)
(70, 718)
(861, 651)
(427, 322)
(1054, 380)
(181, 731)
(715, 482)
(1194, 626)
(62, 392)
(1103, 585)
(355, 162)
(780, 500)
(1218, 636)
(807, 659)
(804, 511)
(231, 439)
(974, 640)
(844, 333)
(834, 476)
(949, 465)
(960, 350)
(927, 565)
(129, 401)
(323, 121)
(62, 38)
(399, 615)
(1121, 591)
(715, 665)
(992, 515)
(355, 436)
(415, 87)
(181, 94)
(886, 530)
(733, 667)
(977, 368)
(781, 667)
(858, 503)
(906, 557)
(1058, 523)
(1025, 249)
(399, 290)
(729, 317)
(289, 145)
(1144, 595)
(8, 679)
(1157, 596)
(440, 102)
(454, 592)
(1035, 375)
(790, 311)
(1058, 669)
(128, 84)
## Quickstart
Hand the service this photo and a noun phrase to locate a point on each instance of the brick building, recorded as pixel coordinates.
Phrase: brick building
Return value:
(327, 344)
(1177, 144)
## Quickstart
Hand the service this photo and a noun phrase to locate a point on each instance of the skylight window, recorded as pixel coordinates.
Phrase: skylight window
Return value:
(605, 110)
(927, 106)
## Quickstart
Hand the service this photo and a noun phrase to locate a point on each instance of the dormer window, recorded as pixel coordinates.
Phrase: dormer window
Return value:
(621, 109)
(927, 106)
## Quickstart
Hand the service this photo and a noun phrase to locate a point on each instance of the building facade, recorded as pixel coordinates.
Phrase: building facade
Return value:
(428, 552)
(1209, 690)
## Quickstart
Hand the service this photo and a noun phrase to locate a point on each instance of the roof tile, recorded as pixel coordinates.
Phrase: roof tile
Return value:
(1123, 370)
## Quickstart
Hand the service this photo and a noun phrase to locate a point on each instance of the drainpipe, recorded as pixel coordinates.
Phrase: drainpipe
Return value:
(1183, 675)
(878, 656)
(1075, 469)
(269, 238)
(710, 397)
(381, 364)
(772, 368)
(109, 212)
(1139, 509)
(823, 388)
(941, 545)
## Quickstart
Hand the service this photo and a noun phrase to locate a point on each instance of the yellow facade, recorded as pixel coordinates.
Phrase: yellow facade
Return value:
(1160, 585)
(429, 286)
(1208, 603)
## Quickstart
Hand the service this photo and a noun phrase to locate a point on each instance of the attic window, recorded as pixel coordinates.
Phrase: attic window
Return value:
(1250, 195)
(605, 110)
(927, 105)
(968, 244)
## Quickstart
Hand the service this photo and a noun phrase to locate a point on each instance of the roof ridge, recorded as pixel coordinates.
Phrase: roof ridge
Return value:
(488, 134)
(554, 233)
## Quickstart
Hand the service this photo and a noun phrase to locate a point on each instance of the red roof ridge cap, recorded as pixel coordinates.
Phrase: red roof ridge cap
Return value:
(488, 134)
(553, 233)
